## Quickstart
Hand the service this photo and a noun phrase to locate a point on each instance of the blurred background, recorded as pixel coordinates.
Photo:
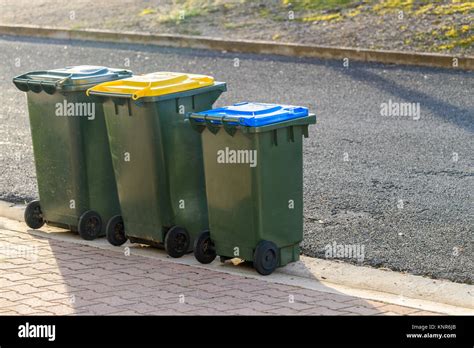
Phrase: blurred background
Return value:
(444, 26)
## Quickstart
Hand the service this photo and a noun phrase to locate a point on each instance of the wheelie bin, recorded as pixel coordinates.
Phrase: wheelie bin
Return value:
(76, 182)
(253, 163)
(157, 157)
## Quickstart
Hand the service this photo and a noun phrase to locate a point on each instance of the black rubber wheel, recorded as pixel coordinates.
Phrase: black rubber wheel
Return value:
(34, 215)
(90, 225)
(265, 257)
(177, 241)
(115, 231)
(204, 250)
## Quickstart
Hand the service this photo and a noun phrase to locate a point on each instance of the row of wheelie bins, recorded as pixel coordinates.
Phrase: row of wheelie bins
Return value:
(145, 158)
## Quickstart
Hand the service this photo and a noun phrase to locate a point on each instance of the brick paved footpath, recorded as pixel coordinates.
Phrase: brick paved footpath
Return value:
(66, 278)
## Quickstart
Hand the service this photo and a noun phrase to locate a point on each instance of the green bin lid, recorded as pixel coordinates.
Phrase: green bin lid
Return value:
(72, 78)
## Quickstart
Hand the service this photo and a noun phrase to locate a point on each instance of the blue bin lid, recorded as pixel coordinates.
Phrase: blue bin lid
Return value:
(69, 78)
(252, 114)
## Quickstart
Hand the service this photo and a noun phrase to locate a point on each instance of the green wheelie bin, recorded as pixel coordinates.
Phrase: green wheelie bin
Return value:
(157, 157)
(76, 182)
(253, 164)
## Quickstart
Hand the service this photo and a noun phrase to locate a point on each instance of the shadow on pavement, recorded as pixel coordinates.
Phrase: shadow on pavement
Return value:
(91, 280)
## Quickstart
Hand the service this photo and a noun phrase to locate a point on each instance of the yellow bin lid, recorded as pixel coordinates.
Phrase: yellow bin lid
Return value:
(153, 84)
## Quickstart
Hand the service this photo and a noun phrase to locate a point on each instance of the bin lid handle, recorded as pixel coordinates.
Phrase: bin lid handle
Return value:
(142, 92)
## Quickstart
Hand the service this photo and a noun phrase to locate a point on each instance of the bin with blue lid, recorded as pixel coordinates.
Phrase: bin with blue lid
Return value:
(76, 182)
(157, 157)
(253, 164)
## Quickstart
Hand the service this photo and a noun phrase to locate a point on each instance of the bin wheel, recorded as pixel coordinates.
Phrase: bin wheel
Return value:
(90, 225)
(265, 257)
(204, 250)
(115, 231)
(34, 215)
(177, 241)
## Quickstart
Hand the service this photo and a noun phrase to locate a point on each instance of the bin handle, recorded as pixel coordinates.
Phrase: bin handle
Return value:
(141, 92)
(213, 128)
(214, 118)
(49, 87)
(90, 92)
(228, 127)
(195, 124)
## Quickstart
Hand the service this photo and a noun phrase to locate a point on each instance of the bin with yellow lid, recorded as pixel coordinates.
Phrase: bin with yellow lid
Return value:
(157, 157)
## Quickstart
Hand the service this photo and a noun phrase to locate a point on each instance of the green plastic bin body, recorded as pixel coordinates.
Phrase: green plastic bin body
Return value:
(260, 203)
(72, 158)
(157, 160)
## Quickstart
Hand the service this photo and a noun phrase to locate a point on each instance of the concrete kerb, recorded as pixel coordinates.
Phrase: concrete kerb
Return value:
(245, 46)
(12, 211)
(327, 276)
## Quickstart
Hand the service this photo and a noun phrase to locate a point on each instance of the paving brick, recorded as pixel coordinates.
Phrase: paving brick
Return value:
(211, 288)
(318, 310)
(127, 312)
(6, 284)
(362, 310)
(283, 311)
(60, 309)
(337, 297)
(88, 294)
(267, 299)
(6, 303)
(365, 303)
(258, 306)
(274, 293)
(281, 287)
(29, 271)
(222, 307)
(293, 305)
(181, 307)
(14, 277)
(333, 304)
(142, 308)
(101, 308)
(244, 287)
(50, 295)
(39, 282)
(114, 301)
(52, 277)
(100, 288)
(207, 311)
(183, 282)
(11, 295)
(23, 309)
(24, 289)
(167, 311)
(36, 302)
(155, 302)
(245, 311)
(397, 309)
(229, 299)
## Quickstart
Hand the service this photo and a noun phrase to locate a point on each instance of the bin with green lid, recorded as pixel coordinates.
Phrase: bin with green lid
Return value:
(157, 157)
(76, 183)
(253, 164)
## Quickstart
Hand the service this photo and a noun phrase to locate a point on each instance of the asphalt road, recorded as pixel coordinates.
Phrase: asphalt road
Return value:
(398, 187)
